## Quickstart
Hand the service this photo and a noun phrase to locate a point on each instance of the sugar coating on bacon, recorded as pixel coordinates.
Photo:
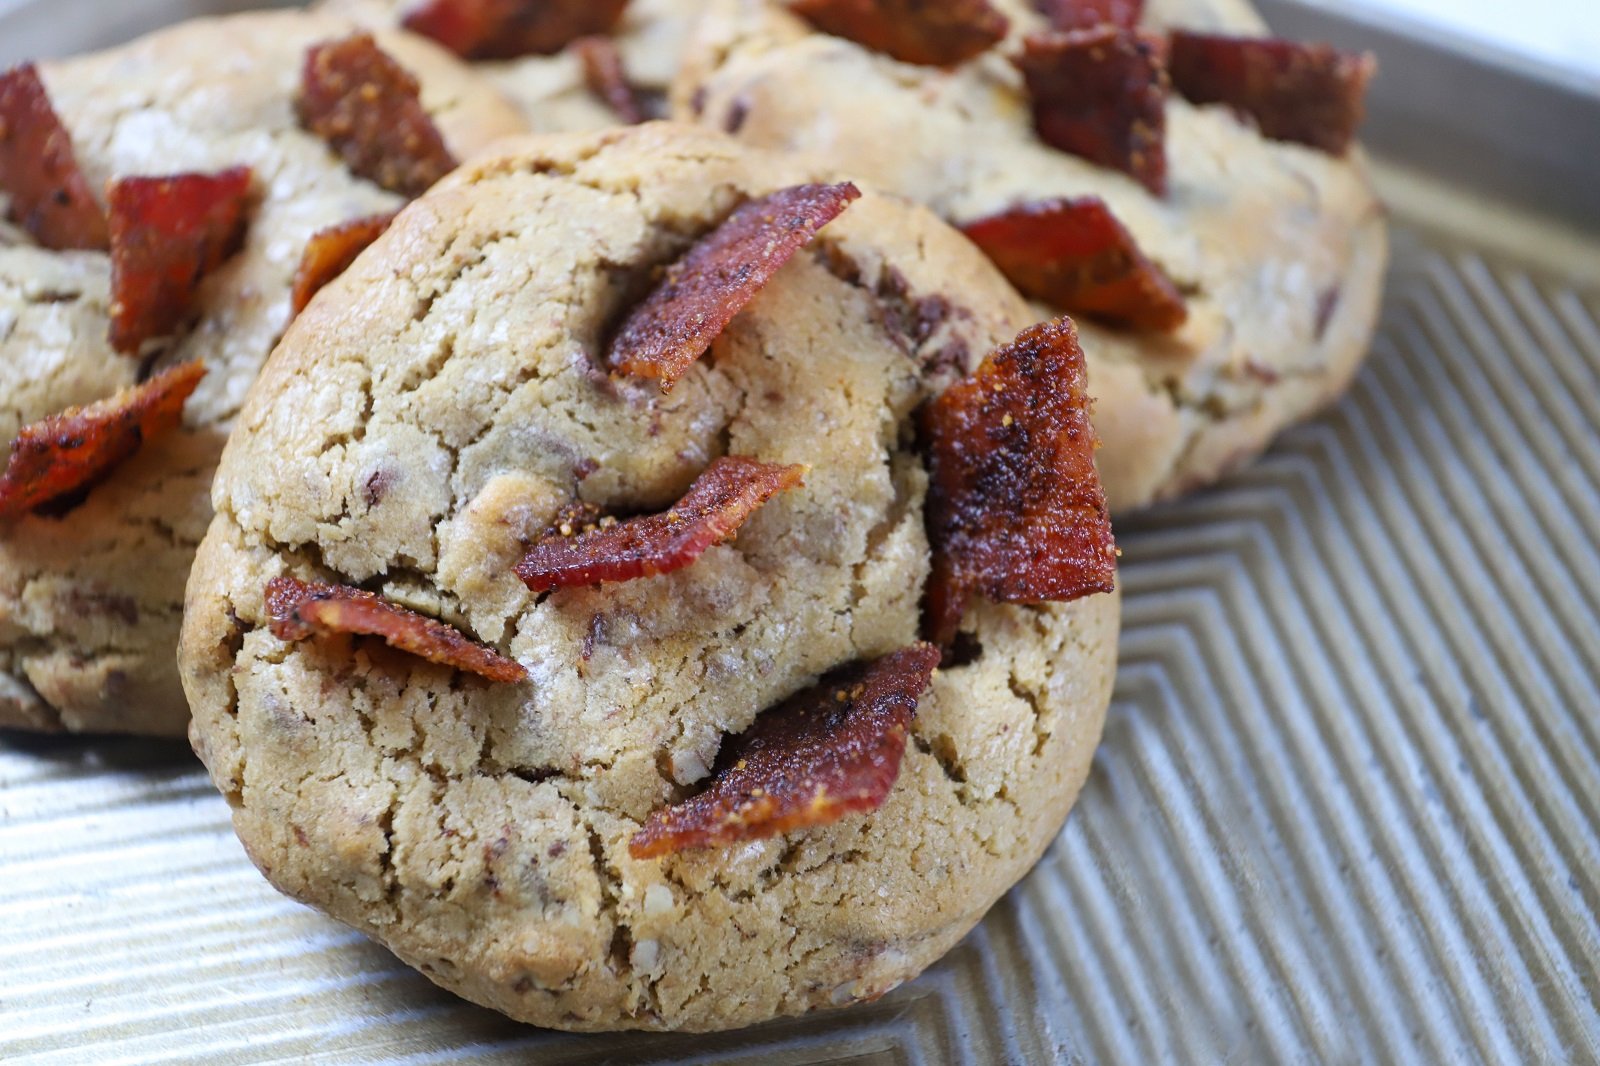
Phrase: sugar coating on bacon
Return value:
(330, 252)
(829, 751)
(606, 78)
(1310, 94)
(716, 505)
(167, 234)
(1087, 14)
(39, 171)
(934, 33)
(69, 452)
(702, 292)
(1015, 510)
(1075, 255)
(369, 109)
(1101, 94)
(300, 609)
(506, 29)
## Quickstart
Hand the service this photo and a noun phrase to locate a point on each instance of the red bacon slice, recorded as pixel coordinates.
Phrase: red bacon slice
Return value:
(74, 450)
(369, 110)
(702, 292)
(1075, 255)
(606, 78)
(38, 170)
(934, 33)
(1101, 94)
(299, 609)
(832, 750)
(167, 233)
(1015, 509)
(330, 252)
(715, 506)
(1087, 14)
(1311, 94)
(506, 29)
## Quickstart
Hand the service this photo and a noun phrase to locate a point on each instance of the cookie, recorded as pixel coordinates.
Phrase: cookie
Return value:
(444, 405)
(1275, 250)
(90, 599)
(557, 91)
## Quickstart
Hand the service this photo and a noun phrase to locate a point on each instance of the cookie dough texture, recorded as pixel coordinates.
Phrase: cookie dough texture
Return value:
(551, 90)
(1279, 249)
(429, 414)
(90, 601)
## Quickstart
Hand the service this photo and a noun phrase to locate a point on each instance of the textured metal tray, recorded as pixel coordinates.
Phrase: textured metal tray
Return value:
(1348, 804)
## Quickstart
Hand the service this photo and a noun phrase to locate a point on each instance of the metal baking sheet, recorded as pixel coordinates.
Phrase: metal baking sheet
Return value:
(1348, 804)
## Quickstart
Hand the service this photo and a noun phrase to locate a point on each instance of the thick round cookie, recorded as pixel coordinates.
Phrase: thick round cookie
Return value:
(90, 600)
(428, 416)
(1279, 249)
(553, 90)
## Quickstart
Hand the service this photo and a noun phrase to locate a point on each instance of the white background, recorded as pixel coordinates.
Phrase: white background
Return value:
(1564, 32)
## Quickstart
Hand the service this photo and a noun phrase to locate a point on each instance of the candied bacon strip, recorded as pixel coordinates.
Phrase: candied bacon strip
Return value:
(1087, 14)
(39, 171)
(74, 450)
(1101, 94)
(299, 609)
(716, 505)
(330, 252)
(702, 292)
(932, 33)
(1310, 94)
(167, 233)
(1075, 255)
(1015, 510)
(829, 751)
(508, 29)
(369, 109)
(603, 73)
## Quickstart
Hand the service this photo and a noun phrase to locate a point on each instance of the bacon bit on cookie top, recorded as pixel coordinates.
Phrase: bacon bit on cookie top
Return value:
(702, 292)
(298, 609)
(1101, 94)
(330, 252)
(74, 450)
(603, 73)
(1311, 94)
(507, 29)
(831, 750)
(1015, 510)
(167, 233)
(725, 494)
(369, 109)
(38, 170)
(1087, 14)
(1075, 255)
(934, 33)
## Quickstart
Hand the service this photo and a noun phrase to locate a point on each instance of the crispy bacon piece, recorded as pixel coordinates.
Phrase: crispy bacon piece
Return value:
(933, 33)
(1087, 14)
(1075, 255)
(606, 78)
(721, 498)
(506, 29)
(1015, 510)
(831, 750)
(74, 450)
(330, 252)
(299, 609)
(1311, 94)
(167, 233)
(39, 171)
(369, 110)
(702, 292)
(1101, 94)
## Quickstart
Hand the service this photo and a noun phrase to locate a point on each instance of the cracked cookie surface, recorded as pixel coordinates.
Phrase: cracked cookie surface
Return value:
(90, 600)
(432, 412)
(1278, 249)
